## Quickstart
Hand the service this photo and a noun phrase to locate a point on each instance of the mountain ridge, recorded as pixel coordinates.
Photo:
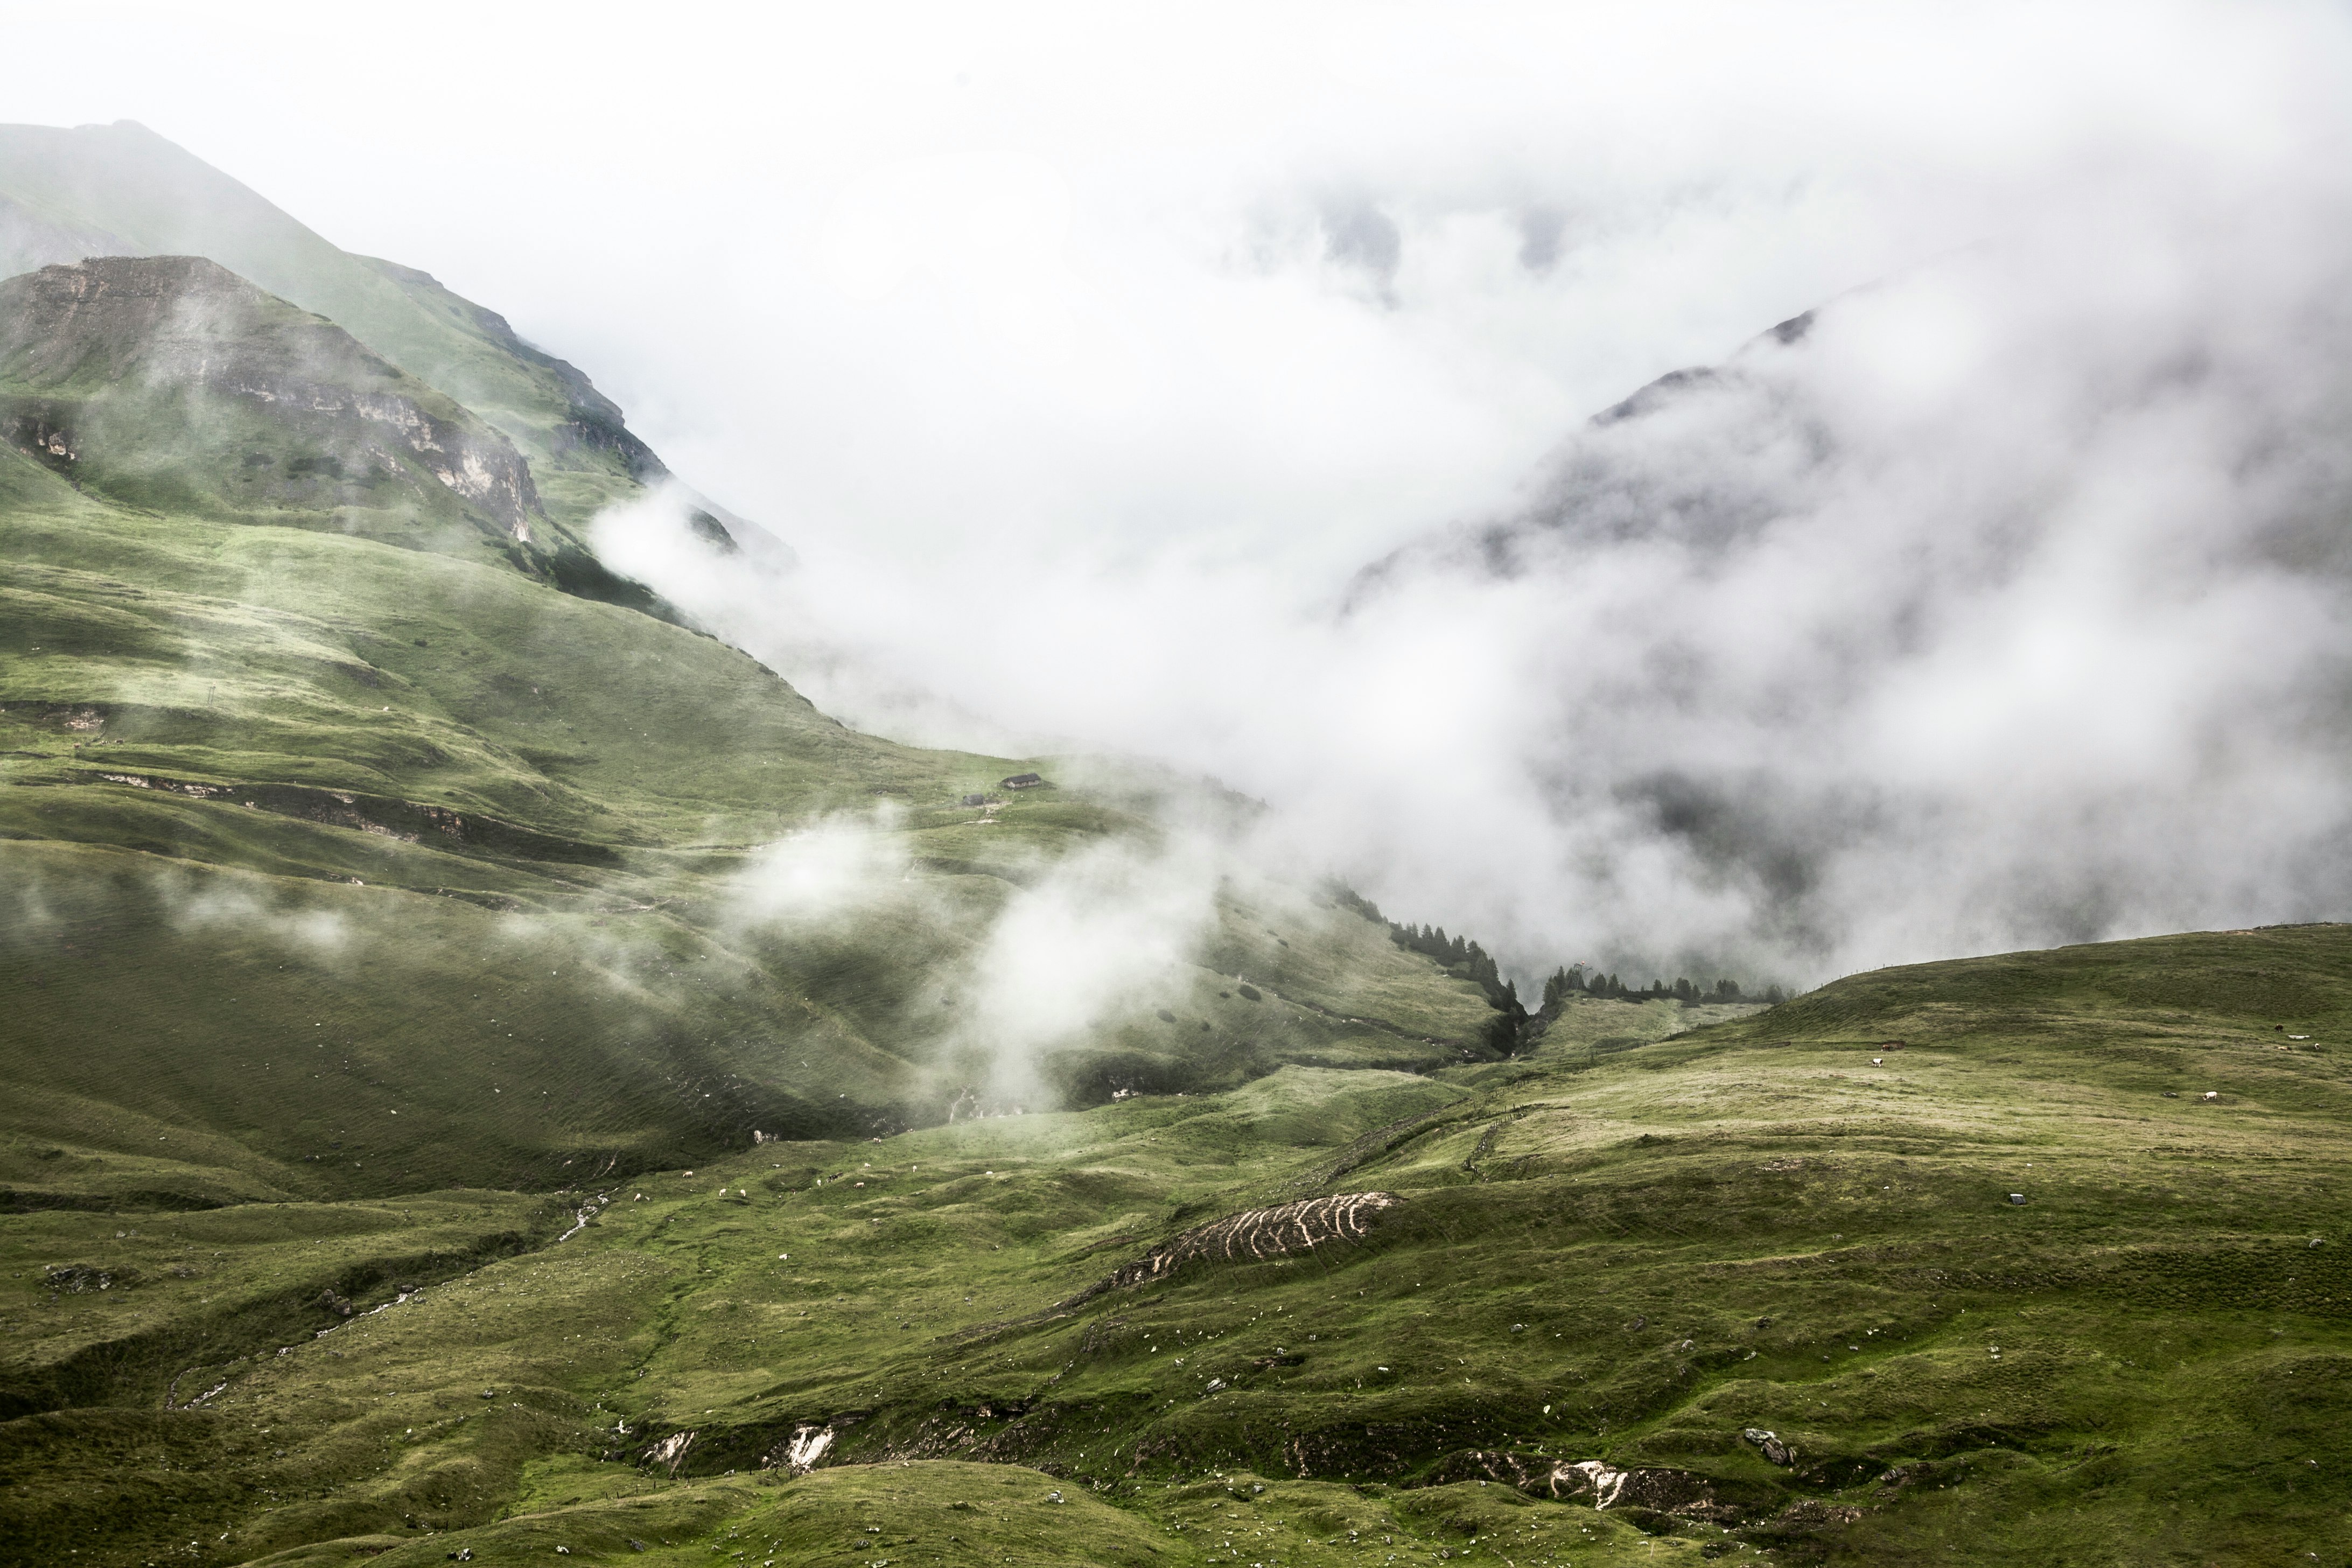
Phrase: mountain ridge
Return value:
(123, 186)
(493, 1074)
(98, 359)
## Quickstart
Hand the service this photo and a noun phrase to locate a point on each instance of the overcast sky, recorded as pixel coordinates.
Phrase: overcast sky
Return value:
(1068, 344)
(1255, 279)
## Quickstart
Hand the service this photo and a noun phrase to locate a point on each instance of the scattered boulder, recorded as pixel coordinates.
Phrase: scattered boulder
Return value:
(1768, 1444)
(74, 1279)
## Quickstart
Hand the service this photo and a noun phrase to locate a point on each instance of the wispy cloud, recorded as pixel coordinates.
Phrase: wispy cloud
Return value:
(1999, 607)
(1083, 359)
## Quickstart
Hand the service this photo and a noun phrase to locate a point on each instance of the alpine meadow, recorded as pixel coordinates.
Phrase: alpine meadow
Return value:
(491, 1070)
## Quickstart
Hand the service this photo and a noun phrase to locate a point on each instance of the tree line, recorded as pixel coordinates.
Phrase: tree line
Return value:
(1466, 959)
(1571, 981)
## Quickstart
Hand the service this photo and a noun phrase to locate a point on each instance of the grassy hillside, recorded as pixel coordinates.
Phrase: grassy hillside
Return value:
(309, 785)
(361, 906)
(171, 384)
(121, 189)
(491, 1073)
(1780, 1223)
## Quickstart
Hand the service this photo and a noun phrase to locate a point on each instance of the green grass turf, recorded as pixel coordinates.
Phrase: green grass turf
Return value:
(1631, 1255)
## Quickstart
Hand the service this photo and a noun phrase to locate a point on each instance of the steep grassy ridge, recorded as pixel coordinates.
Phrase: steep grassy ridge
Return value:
(275, 657)
(1632, 1256)
(513, 858)
(174, 384)
(121, 189)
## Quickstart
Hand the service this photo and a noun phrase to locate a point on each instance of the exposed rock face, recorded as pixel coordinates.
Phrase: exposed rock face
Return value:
(1236, 1239)
(803, 1450)
(591, 421)
(181, 329)
(1681, 1493)
(670, 1452)
(1259, 1233)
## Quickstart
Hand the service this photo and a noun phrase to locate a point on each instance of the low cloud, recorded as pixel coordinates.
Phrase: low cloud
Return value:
(1099, 935)
(822, 874)
(254, 911)
(1999, 604)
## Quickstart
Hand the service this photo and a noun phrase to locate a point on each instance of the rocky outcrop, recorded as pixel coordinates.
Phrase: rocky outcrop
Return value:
(178, 330)
(1245, 1237)
(1683, 1494)
(1258, 1234)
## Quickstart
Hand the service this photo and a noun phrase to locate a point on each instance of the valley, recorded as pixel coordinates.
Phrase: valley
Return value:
(1599, 1280)
(492, 1072)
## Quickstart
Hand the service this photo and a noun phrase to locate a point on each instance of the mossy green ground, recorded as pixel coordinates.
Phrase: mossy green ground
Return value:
(1776, 1221)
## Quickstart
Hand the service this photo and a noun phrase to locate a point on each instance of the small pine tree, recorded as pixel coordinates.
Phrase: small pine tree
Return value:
(1554, 992)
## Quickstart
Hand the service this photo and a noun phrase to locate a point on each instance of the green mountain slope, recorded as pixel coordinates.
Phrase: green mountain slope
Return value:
(359, 892)
(351, 894)
(121, 189)
(172, 384)
(490, 1073)
(465, 777)
(1758, 1289)
(289, 739)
